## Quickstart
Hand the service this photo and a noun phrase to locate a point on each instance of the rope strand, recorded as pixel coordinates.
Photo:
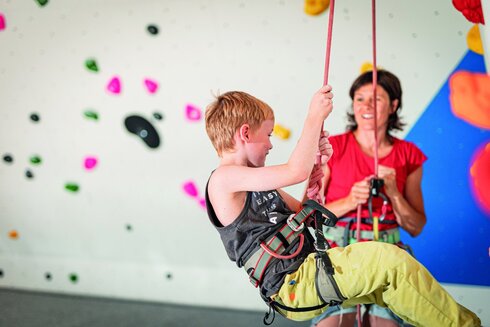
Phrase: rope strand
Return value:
(316, 195)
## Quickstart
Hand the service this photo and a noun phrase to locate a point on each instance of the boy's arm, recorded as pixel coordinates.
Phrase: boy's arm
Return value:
(291, 202)
(236, 178)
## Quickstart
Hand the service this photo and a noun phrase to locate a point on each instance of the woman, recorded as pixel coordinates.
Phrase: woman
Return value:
(348, 174)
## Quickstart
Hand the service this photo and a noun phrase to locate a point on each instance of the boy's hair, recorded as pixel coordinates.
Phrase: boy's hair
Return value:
(229, 112)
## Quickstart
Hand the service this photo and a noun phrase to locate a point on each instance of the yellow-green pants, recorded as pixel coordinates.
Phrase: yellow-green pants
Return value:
(380, 273)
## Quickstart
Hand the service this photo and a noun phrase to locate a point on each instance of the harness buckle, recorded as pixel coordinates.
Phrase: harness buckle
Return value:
(294, 226)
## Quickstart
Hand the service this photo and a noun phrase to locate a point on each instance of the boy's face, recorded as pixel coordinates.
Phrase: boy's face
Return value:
(260, 144)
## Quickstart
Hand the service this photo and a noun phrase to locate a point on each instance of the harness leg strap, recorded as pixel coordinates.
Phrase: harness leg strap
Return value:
(326, 286)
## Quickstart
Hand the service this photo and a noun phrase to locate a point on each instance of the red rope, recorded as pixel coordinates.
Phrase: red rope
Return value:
(318, 196)
(329, 42)
(375, 83)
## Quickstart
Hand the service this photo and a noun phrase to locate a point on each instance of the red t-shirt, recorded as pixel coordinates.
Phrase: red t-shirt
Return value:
(349, 164)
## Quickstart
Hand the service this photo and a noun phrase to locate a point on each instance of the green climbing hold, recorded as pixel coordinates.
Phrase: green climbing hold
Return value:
(73, 278)
(72, 187)
(90, 114)
(35, 160)
(91, 64)
(42, 3)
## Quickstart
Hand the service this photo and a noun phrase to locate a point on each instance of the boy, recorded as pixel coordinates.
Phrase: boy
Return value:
(250, 211)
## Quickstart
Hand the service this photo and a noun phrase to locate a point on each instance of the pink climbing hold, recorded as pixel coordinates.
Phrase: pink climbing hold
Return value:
(2, 22)
(190, 188)
(114, 85)
(151, 85)
(202, 202)
(193, 113)
(90, 163)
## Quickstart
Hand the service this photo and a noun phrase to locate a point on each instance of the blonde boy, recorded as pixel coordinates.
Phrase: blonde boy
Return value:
(247, 205)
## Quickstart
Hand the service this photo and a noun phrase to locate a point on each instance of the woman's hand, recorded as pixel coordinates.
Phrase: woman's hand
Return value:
(388, 174)
(359, 193)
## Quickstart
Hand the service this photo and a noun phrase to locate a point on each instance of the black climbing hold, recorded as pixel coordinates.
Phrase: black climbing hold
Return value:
(143, 129)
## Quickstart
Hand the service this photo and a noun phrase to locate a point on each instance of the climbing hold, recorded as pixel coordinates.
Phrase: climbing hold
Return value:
(91, 65)
(72, 187)
(192, 112)
(42, 3)
(151, 85)
(152, 29)
(471, 9)
(73, 278)
(8, 158)
(473, 40)
(90, 114)
(157, 116)
(114, 85)
(190, 188)
(281, 132)
(469, 97)
(144, 129)
(13, 234)
(35, 117)
(480, 177)
(35, 160)
(29, 174)
(90, 163)
(3, 24)
(316, 7)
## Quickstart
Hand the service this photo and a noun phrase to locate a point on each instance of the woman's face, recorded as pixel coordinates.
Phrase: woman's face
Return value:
(363, 107)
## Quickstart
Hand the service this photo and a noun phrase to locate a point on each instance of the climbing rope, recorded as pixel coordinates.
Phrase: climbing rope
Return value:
(316, 180)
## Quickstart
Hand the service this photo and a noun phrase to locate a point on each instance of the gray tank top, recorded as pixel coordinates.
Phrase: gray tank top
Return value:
(263, 215)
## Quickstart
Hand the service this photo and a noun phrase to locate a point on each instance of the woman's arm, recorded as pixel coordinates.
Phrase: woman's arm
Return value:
(409, 210)
(358, 194)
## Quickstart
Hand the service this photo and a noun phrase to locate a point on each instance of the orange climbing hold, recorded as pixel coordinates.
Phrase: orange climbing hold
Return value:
(480, 177)
(470, 97)
(316, 7)
(13, 234)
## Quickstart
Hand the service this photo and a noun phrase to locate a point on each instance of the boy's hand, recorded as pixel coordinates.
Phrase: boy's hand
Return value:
(315, 182)
(321, 103)
(325, 149)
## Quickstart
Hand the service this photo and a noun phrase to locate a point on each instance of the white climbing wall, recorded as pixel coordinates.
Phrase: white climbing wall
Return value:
(132, 230)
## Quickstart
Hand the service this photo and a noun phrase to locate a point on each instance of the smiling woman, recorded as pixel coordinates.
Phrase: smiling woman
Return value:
(348, 178)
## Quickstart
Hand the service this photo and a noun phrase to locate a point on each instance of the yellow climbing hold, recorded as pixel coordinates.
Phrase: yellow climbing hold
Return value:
(473, 40)
(281, 132)
(366, 67)
(316, 7)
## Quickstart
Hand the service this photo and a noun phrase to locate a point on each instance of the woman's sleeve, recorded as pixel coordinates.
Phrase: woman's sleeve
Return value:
(415, 157)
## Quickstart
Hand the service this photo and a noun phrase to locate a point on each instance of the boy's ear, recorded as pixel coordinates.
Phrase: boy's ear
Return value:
(244, 133)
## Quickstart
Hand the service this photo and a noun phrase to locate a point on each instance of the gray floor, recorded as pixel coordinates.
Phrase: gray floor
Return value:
(29, 309)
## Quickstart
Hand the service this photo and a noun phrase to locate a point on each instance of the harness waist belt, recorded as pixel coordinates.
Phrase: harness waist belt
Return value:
(338, 233)
(278, 244)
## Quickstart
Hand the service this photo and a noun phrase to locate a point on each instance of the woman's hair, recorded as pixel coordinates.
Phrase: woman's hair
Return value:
(229, 112)
(391, 84)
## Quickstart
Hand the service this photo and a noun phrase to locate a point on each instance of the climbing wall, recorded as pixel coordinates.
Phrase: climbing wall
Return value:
(104, 156)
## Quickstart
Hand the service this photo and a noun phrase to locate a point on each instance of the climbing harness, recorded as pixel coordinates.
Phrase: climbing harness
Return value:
(278, 247)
